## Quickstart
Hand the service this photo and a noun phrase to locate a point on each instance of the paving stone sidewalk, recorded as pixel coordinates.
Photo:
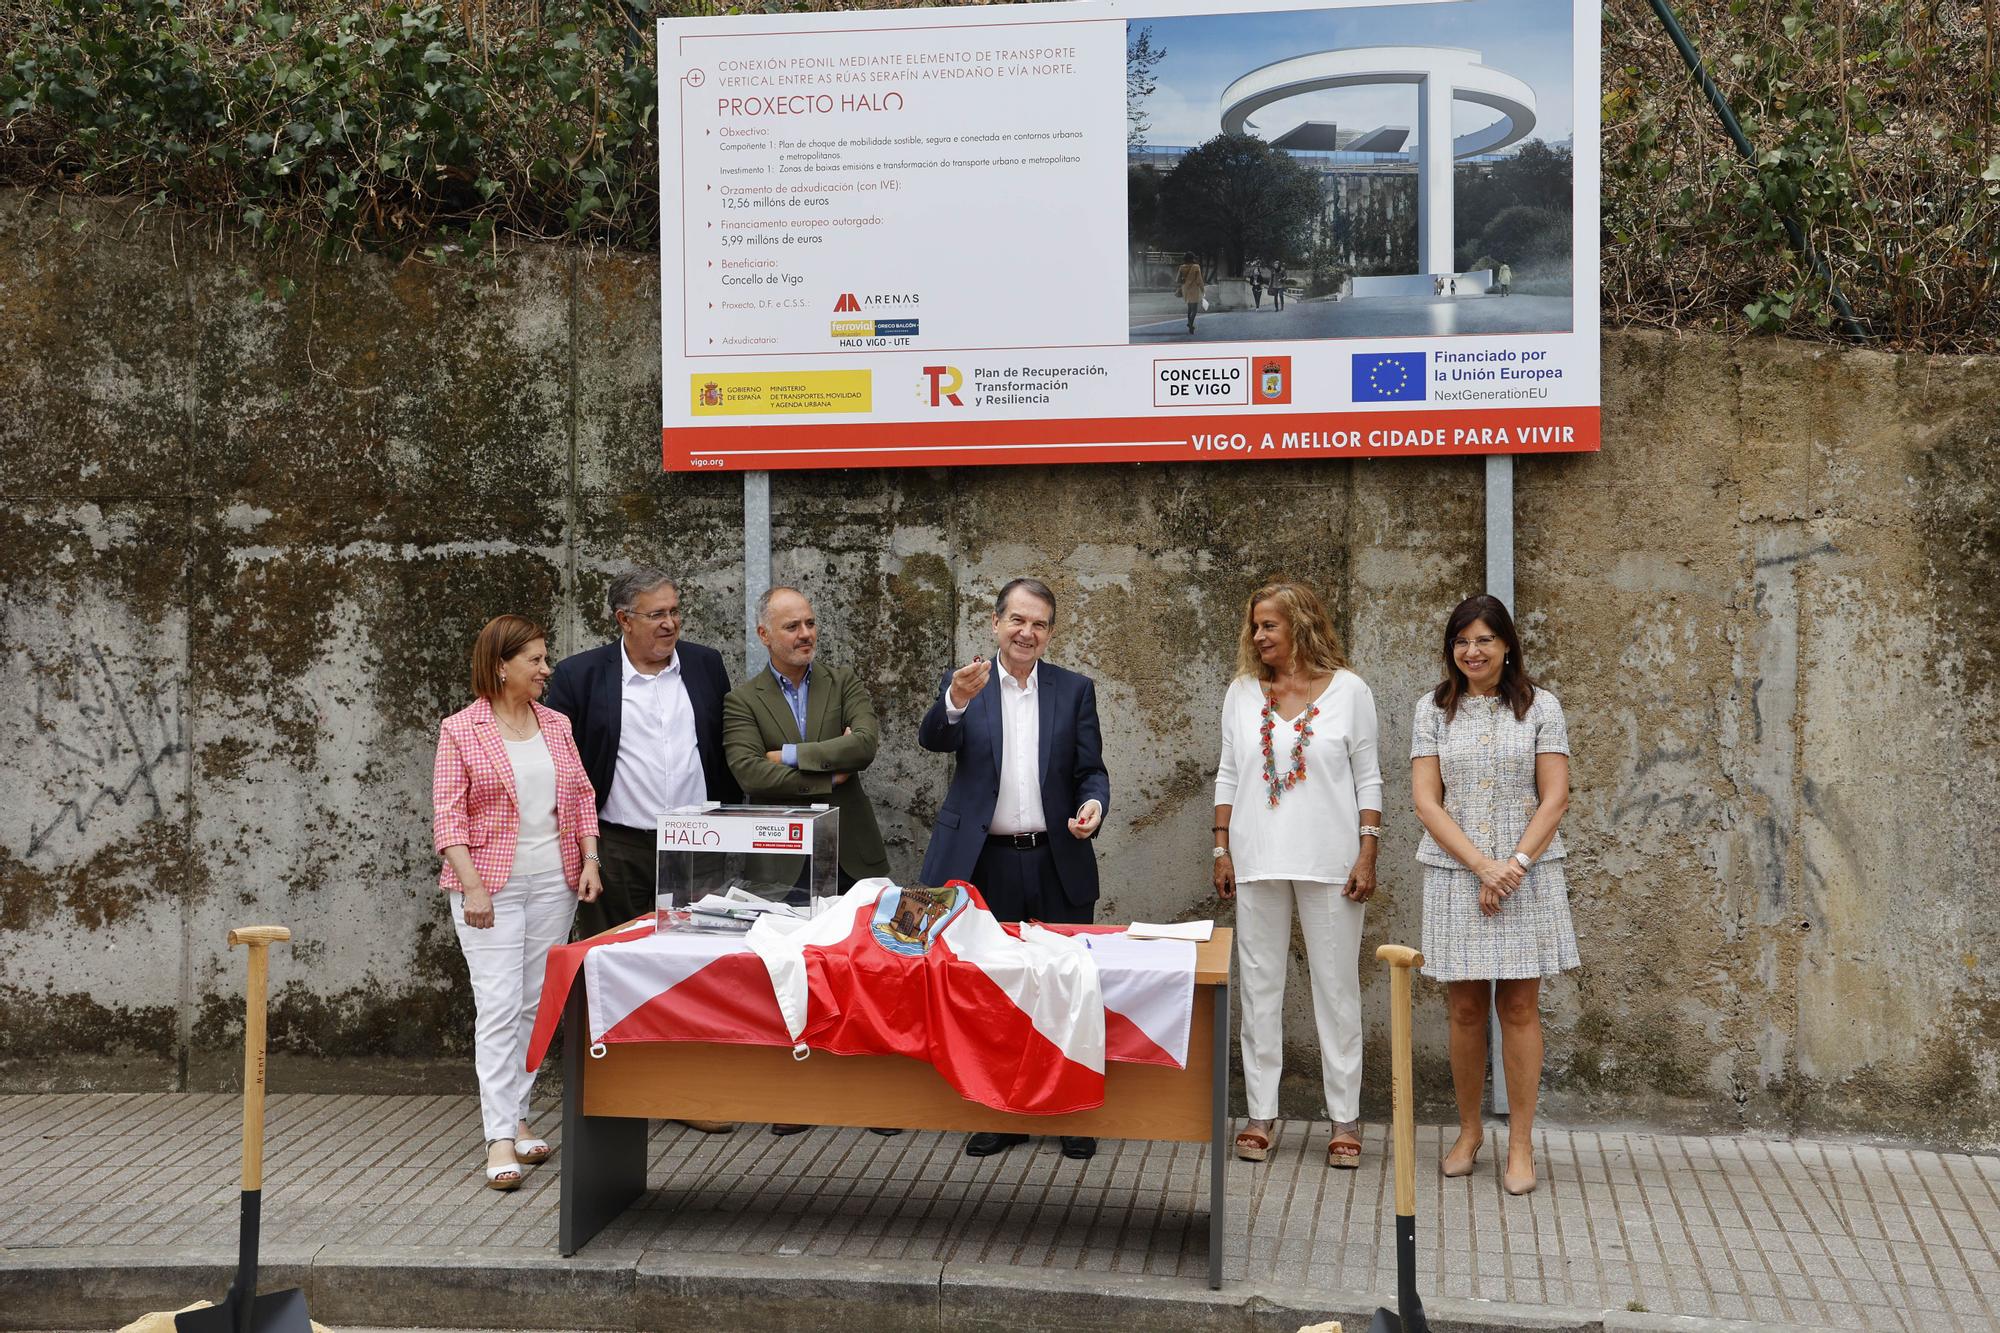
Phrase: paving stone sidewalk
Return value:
(1809, 1233)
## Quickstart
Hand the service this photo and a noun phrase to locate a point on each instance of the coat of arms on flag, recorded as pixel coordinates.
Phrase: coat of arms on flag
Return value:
(907, 920)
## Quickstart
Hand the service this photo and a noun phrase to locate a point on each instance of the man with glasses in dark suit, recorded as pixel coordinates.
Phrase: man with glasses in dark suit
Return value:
(646, 710)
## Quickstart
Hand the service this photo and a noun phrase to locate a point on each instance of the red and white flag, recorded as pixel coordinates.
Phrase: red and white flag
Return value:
(1012, 1022)
(694, 986)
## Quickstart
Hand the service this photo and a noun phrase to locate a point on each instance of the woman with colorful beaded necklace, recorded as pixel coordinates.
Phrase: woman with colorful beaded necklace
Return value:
(1298, 817)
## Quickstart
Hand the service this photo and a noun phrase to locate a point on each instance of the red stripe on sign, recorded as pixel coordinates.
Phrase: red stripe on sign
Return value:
(1241, 437)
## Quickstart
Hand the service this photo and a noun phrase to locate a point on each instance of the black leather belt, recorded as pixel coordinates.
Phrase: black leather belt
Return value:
(1019, 841)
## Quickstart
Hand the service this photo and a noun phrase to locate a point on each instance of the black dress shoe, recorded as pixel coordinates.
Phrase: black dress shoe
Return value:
(885, 1133)
(1078, 1148)
(783, 1131)
(986, 1144)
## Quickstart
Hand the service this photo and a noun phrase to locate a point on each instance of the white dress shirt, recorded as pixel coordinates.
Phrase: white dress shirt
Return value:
(658, 766)
(1019, 806)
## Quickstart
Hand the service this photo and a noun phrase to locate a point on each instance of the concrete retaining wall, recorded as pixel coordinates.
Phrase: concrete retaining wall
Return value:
(256, 506)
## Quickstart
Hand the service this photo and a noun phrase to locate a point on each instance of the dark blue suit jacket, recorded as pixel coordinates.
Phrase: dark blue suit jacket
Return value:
(1072, 772)
(586, 689)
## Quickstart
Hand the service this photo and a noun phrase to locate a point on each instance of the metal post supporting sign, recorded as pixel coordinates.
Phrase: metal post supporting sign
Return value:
(756, 562)
(1499, 583)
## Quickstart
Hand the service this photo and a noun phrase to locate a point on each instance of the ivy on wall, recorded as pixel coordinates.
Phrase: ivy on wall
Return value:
(449, 129)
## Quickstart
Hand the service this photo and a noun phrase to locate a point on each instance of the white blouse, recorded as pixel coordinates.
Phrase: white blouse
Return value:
(536, 851)
(1311, 833)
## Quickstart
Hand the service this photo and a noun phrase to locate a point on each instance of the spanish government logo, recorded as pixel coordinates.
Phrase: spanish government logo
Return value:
(909, 920)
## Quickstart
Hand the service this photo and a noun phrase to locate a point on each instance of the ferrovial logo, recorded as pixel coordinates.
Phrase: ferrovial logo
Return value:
(846, 303)
(945, 382)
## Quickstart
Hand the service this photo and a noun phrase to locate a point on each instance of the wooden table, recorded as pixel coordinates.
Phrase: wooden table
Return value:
(607, 1101)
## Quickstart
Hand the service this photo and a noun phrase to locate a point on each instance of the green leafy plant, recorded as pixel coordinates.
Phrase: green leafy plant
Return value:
(360, 125)
(445, 130)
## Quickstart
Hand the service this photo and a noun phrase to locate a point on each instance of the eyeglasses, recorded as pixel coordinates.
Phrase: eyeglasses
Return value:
(1482, 642)
(656, 617)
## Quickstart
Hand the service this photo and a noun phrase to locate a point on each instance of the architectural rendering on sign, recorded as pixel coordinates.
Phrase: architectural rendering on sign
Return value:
(1297, 184)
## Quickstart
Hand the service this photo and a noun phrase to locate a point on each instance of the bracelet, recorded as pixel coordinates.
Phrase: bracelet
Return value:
(1220, 828)
(1370, 831)
(592, 856)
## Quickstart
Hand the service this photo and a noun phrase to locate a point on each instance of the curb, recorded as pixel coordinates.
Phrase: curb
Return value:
(102, 1287)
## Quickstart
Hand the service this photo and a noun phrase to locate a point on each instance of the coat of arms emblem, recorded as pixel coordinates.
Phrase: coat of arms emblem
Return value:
(908, 920)
(711, 394)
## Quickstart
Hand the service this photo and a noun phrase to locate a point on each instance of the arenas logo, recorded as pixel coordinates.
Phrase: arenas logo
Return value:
(856, 317)
(849, 303)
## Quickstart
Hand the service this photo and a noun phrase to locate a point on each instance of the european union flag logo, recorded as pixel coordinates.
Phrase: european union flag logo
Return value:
(1389, 377)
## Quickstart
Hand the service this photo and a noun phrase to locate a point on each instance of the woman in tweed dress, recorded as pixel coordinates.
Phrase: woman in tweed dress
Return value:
(1489, 768)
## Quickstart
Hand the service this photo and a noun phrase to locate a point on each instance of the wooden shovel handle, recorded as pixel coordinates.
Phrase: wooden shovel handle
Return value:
(1401, 959)
(259, 939)
(1399, 955)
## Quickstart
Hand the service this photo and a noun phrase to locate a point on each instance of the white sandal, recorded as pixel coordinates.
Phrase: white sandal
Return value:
(506, 1176)
(532, 1152)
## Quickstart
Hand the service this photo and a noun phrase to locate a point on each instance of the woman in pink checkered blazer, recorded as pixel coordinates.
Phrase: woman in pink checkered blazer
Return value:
(516, 823)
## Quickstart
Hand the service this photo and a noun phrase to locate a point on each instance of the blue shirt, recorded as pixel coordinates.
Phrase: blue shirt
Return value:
(795, 698)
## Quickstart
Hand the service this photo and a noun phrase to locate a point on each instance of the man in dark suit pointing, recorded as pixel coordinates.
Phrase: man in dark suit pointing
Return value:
(1029, 790)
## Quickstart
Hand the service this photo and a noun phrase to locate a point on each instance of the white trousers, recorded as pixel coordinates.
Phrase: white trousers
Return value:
(1331, 925)
(530, 916)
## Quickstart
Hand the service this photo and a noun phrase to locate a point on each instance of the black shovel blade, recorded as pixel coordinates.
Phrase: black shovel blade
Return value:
(1388, 1321)
(273, 1312)
(1411, 1320)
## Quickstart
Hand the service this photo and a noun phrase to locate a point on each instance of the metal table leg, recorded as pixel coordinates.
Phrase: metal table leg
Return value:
(1218, 1150)
(603, 1157)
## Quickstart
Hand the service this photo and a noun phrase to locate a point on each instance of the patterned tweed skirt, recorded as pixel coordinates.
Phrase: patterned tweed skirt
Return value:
(1531, 937)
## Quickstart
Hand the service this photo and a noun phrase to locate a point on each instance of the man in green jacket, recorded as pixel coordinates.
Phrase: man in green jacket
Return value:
(802, 732)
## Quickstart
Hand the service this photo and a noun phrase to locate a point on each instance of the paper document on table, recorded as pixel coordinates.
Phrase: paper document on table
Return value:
(1198, 931)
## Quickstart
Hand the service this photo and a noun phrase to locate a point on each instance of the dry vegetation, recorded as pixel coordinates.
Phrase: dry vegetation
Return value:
(1874, 125)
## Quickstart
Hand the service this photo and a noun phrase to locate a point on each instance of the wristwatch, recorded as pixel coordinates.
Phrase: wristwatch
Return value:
(1522, 857)
(1220, 852)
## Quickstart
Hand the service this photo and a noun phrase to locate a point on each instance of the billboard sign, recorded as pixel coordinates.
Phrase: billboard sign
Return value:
(1129, 230)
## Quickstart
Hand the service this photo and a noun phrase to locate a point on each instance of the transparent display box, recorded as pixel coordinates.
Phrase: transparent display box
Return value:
(754, 858)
